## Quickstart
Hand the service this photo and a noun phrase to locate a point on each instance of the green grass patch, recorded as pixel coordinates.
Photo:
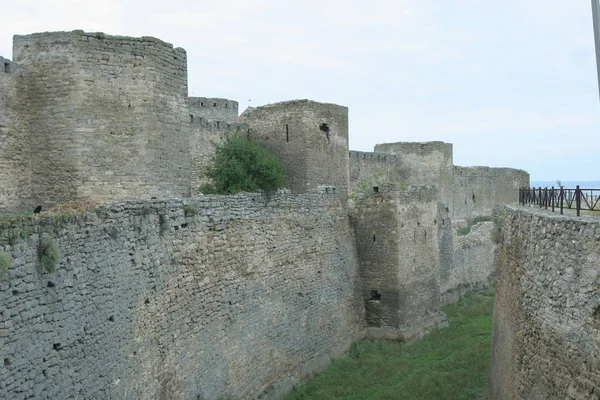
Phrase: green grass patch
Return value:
(449, 364)
(5, 264)
(471, 223)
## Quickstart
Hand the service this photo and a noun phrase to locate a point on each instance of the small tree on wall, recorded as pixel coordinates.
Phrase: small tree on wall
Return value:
(243, 165)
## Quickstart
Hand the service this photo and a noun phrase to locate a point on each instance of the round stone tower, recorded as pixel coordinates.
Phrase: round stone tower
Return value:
(106, 116)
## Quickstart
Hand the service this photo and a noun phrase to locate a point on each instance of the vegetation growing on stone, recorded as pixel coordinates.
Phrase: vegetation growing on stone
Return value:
(5, 264)
(48, 254)
(164, 224)
(189, 210)
(472, 222)
(243, 165)
(448, 364)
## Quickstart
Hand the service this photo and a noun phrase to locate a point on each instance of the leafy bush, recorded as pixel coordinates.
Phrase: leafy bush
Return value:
(242, 165)
(5, 264)
(48, 254)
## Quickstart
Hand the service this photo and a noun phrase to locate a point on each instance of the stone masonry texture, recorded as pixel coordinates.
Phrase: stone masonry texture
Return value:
(224, 296)
(546, 328)
(466, 191)
(397, 241)
(187, 297)
(310, 138)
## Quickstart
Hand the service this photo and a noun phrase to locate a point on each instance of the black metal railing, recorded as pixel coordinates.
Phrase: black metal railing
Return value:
(576, 199)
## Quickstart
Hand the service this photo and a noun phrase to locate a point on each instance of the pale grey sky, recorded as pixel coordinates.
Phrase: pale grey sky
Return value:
(509, 83)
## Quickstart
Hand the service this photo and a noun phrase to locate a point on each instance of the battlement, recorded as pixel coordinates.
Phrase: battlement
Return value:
(369, 156)
(421, 148)
(213, 109)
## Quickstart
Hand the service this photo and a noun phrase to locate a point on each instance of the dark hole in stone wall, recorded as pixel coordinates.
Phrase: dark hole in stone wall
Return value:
(375, 295)
(596, 315)
(6, 67)
(325, 128)
(373, 237)
(287, 133)
(50, 284)
(201, 104)
(15, 292)
(56, 346)
(376, 189)
(473, 197)
(111, 318)
(147, 301)
(191, 118)
(7, 362)
(214, 104)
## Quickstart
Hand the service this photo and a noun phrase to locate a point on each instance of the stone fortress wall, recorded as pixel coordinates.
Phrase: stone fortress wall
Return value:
(466, 191)
(247, 294)
(546, 328)
(152, 300)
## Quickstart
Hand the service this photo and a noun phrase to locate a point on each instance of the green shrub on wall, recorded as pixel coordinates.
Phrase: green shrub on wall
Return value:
(5, 264)
(48, 254)
(243, 165)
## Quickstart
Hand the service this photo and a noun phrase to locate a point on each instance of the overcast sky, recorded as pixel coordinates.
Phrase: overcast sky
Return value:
(509, 83)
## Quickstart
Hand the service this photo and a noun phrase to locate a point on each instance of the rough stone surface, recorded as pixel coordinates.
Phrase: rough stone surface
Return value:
(428, 163)
(310, 138)
(546, 338)
(397, 241)
(14, 148)
(105, 116)
(477, 190)
(224, 296)
(213, 109)
(471, 264)
(466, 191)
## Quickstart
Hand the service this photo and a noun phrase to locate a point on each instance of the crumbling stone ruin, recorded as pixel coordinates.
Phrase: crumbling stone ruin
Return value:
(161, 293)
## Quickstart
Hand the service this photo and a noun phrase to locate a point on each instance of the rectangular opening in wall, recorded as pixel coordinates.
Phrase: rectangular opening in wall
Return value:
(201, 104)
(6, 67)
(376, 189)
(287, 133)
(214, 104)
(191, 118)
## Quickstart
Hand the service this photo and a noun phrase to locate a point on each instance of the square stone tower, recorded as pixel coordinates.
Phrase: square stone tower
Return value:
(397, 232)
(310, 138)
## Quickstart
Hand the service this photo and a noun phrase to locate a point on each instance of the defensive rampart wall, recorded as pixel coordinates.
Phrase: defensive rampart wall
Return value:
(546, 341)
(477, 190)
(224, 296)
(213, 109)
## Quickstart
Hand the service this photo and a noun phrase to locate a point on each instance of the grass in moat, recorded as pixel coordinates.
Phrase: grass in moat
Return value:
(449, 364)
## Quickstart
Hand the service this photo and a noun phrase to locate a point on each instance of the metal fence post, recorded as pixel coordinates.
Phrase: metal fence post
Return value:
(578, 200)
(562, 197)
